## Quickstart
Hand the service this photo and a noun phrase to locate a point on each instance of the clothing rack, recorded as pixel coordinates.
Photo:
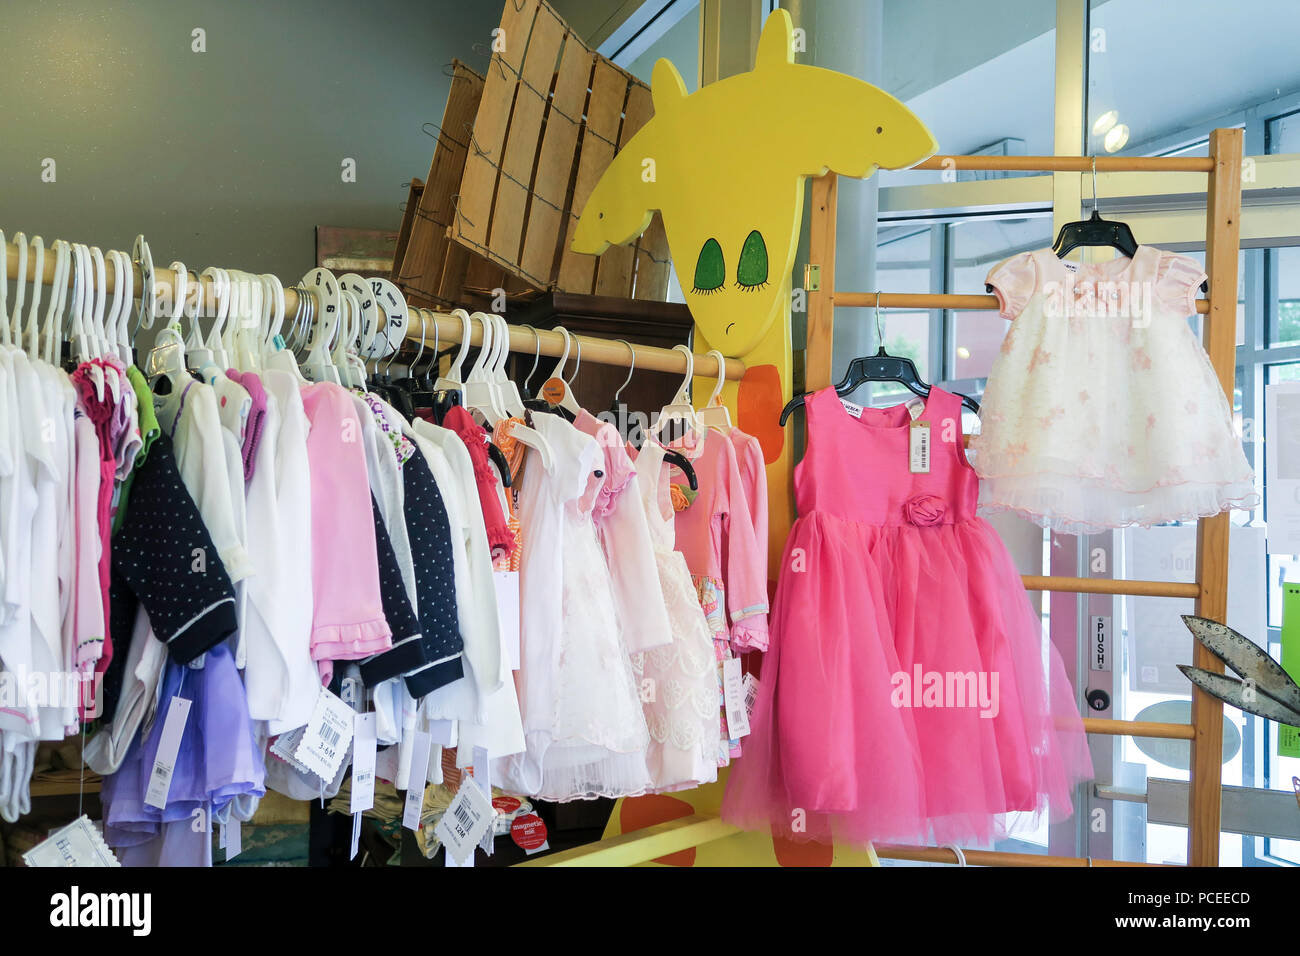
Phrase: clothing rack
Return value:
(448, 327)
(1205, 731)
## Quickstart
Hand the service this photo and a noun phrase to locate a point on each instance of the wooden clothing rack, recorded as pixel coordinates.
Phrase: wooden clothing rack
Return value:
(1210, 589)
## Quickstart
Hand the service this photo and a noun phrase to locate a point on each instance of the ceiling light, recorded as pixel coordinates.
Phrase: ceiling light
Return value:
(1104, 122)
(1117, 138)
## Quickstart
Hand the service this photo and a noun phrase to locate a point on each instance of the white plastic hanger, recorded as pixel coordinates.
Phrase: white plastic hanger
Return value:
(283, 358)
(15, 332)
(246, 347)
(318, 367)
(714, 414)
(452, 381)
(125, 278)
(58, 297)
(4, 291)
(479, 391)
(99, 328)
(121, 286)
(510, 397)
(167, 357)
(555, 389)
(680, 408)
(38, 271)
(349, 326)
(197, 349)
(148, 290)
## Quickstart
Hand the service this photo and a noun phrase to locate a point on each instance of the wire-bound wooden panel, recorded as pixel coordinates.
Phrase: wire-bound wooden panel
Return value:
(551, 115)
(408, 222)
(424, 273)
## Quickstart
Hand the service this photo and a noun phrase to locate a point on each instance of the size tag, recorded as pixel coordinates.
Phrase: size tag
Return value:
(77, 844)
(329, 731)
(751, 693)
(851, 408)
(733, 688)
(286, 745)
(507, 586)
(363, 763)
(919, 448)
(160, 777)
(466, 820)
(416, 782)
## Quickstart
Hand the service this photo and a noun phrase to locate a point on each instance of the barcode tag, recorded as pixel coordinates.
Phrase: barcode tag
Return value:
(416, 782)
(851, 408)
(169, 745)
(363, 763)
(286, 745)
(470, 815)
(751, 693)
(919, 448)
(733, 688)
(329, 731)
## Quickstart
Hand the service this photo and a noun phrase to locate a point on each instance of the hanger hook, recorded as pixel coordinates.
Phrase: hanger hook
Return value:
(537, 356)
(630, 370)
(434, 360)
(880, 332)
(410, 369)
(1094, 183)
(577, 363)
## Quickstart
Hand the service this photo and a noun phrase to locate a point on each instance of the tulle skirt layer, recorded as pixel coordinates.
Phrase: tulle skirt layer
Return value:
(909, 693)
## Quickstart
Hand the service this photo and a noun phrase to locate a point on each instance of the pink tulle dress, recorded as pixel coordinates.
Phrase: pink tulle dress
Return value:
(905, 695)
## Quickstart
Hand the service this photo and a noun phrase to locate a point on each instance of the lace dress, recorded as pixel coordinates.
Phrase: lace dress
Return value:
(678, 681)
(1103, 409)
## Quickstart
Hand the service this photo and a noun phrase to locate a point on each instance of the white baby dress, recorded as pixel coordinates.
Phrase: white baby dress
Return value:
(585, 732)
(678, 680)
(1103, 409)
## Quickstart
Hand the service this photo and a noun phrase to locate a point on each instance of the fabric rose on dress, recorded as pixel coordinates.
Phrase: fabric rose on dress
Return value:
(924, 510)
(682, 496)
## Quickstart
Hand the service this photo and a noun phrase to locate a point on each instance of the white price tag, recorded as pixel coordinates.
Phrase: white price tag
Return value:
(286, 745)
(415, 790)
(169, 745)
(507, 583)
(919, 448)
(483, 777)
(232, 839)
(733, 688)
(329, 731)
(363, 763)
(77, 844)
(751, 693)
(469, 816)
(356, 835)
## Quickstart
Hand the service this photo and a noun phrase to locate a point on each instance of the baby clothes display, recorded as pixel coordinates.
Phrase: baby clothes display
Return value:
(904, 696)
(1102, 409)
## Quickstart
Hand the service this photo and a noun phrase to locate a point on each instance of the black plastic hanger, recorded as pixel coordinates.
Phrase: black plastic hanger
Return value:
(881, 367)
(682, 462)
(1098, 232)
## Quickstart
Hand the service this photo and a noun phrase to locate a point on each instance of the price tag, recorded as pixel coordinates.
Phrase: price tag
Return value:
(285, 745)
(919, 448)
(733, 688)
(329, 731)
(230, 839)
(164, 763)
(364, 757)
(483, 777)
(507, 587)
(77, 844)
(356, 835)
(466, 820)
(751, 693)
(529, 833)
(416, 782)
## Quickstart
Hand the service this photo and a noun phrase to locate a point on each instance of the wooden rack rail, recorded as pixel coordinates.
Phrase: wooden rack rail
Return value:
(448, 327)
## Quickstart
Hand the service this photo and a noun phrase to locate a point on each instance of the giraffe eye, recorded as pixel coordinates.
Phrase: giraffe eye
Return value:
(710, 270)
(751, 271)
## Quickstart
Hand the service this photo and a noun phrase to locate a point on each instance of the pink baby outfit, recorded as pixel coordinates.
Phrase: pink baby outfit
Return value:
(716, 535)
(904, 696)
(348, 616)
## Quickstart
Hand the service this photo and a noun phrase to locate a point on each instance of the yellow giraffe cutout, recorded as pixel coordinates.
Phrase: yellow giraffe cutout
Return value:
(725, 166)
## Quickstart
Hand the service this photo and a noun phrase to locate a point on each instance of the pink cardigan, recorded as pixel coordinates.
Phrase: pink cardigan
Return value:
(348, 617)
